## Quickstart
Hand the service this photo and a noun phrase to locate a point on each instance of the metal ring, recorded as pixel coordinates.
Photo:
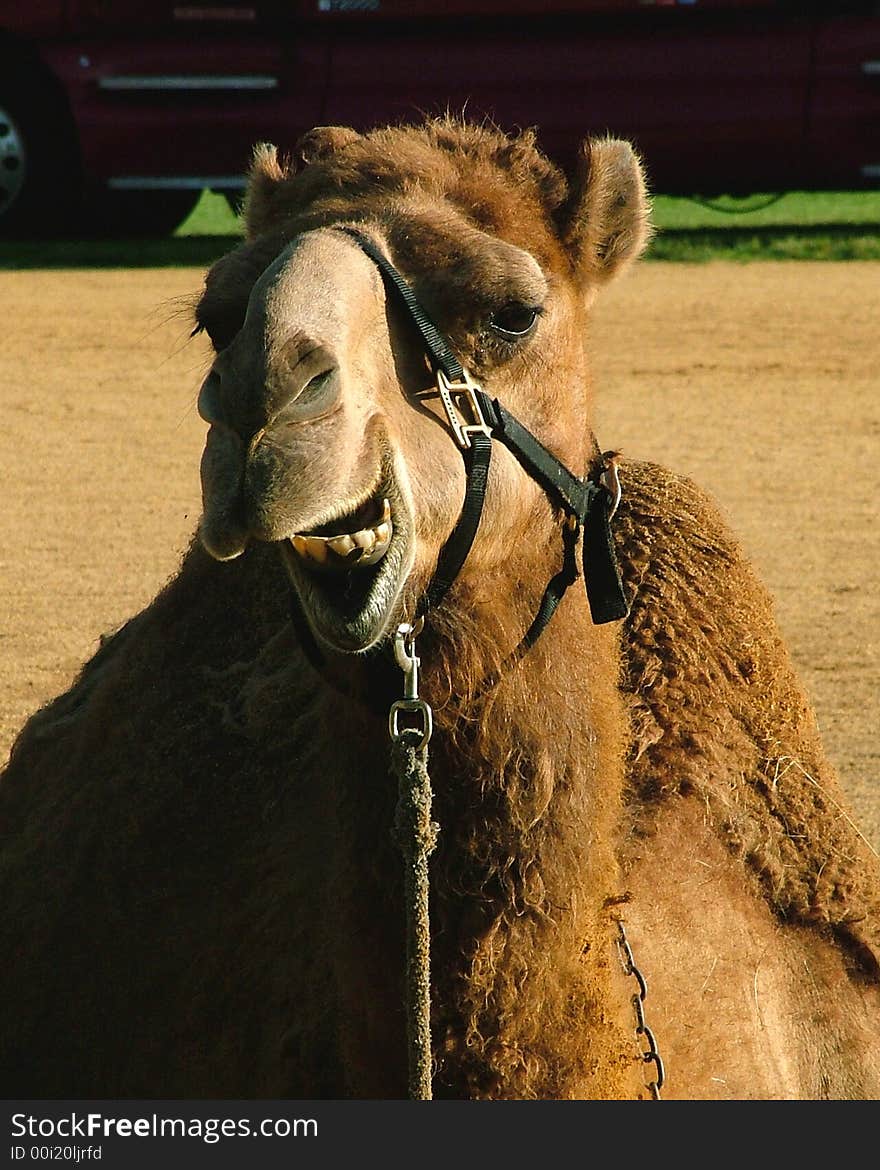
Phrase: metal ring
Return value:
(413, 706)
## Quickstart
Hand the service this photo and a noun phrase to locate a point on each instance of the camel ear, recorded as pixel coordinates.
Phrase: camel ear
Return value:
(606, 219)
(266, 199)
(265, 178)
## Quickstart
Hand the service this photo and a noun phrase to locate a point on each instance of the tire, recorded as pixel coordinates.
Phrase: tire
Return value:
(39, 164)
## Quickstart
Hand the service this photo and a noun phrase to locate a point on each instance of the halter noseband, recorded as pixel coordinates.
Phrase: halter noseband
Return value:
(476, 419)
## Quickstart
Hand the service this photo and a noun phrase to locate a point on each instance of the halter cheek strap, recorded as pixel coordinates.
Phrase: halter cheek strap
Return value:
(476, 419)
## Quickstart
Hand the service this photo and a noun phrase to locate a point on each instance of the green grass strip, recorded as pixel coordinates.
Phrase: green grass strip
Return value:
(798, 225)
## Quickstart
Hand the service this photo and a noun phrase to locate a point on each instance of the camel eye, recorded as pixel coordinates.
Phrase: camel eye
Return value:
(514, 319)
(220, 328)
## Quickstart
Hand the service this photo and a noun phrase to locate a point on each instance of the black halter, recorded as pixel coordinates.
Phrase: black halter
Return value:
(476, 419)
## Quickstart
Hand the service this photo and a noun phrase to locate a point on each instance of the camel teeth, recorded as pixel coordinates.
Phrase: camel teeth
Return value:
(365, 539)
(341, 545)
(381, 539)
(349, 550)
(316, 549)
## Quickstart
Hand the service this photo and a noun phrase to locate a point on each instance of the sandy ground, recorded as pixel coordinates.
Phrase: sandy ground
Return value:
(760, 381)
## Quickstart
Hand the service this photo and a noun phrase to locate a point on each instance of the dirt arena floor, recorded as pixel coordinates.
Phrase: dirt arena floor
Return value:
(761, 381)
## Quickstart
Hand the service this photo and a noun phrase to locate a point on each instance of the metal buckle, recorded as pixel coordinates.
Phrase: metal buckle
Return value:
(452, 394)
(408, 661)
(610, 481)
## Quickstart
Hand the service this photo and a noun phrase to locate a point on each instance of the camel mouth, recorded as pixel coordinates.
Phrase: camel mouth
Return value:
(350, 543)
(349, 572)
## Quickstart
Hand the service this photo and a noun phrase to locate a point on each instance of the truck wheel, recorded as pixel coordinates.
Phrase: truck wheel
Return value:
(12, 161)
(39, 167)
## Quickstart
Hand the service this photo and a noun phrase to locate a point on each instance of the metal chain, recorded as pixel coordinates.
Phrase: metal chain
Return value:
(647, 1043)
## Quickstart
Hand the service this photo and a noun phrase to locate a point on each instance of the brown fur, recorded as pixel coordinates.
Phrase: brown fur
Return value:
(203, 897)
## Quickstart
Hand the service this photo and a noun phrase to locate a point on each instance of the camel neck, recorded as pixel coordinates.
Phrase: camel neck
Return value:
(527, 788)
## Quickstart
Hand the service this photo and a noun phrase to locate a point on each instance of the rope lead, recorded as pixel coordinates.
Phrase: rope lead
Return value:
(416, 835)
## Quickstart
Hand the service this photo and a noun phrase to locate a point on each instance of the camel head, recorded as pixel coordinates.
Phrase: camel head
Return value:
(326, 434)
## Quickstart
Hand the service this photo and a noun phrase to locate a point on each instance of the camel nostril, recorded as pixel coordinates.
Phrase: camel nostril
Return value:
(317, 396)
(302, 379)
(314, 386)
(317, 390)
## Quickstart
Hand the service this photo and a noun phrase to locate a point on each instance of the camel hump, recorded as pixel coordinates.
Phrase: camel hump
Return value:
(716, 708)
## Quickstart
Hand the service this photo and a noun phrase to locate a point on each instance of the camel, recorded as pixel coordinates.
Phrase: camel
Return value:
(647, 881)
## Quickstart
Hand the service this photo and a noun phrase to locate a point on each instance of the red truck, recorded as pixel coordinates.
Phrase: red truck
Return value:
(116, 114)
